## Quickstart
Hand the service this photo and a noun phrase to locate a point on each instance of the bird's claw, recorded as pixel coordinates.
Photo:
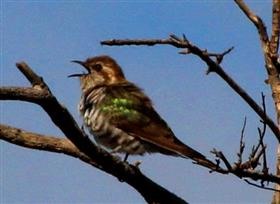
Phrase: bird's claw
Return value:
(137, 163)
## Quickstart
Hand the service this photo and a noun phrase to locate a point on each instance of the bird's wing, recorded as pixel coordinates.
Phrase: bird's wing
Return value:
(132, 112)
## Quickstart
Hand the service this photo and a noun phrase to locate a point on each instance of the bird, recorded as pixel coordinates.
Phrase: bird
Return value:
(120, 116)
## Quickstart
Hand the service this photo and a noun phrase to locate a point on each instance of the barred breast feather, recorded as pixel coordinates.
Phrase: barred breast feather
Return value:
(97, 108)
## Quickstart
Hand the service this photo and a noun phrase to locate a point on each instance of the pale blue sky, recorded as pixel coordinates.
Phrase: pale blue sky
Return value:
(202, 110)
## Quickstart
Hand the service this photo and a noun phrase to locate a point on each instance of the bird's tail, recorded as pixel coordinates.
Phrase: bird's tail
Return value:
(190, 153)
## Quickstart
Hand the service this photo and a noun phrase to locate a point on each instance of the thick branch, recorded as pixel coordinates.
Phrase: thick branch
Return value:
(256, 20)
(61, 145)
(42, 142)
(274, 41)
(42, 97)
(35, 80)
(152, 192)
(24, 94)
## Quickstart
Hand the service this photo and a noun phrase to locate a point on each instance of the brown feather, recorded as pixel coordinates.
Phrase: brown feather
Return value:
(155, 130)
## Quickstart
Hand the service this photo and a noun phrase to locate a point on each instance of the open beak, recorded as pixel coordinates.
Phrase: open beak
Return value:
(75, 75)
(80, 63)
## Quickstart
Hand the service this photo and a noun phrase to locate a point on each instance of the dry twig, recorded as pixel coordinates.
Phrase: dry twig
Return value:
(260, 186)
(241, 143)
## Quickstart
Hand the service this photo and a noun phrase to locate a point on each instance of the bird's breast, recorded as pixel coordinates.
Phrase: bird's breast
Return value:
(110, 136)
(105, 133)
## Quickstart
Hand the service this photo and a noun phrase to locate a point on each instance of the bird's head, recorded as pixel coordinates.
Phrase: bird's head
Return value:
(100, 70)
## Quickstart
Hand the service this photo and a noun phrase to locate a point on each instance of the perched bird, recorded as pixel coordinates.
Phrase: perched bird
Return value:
(120, 116)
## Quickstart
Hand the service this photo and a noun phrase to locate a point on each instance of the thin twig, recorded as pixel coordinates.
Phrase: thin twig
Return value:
(256, 154)
(265, 168)
(221, 156)
(220, 56)
(242, 143)
(260, 186)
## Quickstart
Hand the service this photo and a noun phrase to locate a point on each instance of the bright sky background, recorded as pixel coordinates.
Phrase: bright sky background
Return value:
(202, 110)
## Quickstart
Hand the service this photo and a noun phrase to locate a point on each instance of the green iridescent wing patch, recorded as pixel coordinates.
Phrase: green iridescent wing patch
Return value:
(122, 108)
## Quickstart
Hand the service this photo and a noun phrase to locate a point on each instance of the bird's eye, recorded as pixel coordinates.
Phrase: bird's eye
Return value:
(97, 67)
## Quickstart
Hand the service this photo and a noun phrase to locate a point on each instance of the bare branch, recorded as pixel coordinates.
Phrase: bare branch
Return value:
(242, 143)
(33, 95)
(62, 145)
(42, 96)
(260, 186)
(274, 40)
(149, 42)
(245, 169)
(152, 192)
(31, 76)
(256, 20)
(265, 169)
(219, 56)
(248, 167)
(212, 67)
(271, 57)
(261, 136)
(221, 156)
(42, 142)
(269, 47)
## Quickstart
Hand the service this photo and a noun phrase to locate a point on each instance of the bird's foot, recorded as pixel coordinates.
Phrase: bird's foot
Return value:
(137, 164)
(83, 127)
(126, 157)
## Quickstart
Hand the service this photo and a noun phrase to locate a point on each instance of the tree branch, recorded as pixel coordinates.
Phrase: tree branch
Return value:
(269, 47)
(241, 143)
(61, 145)
(42, 142)
(246, 169)
(272, 62)
(32, 95)
(152, 192)
(241, 170)
(256, 20)
(274, 40)
(92, 154)
(261, 186)
(212, 67)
